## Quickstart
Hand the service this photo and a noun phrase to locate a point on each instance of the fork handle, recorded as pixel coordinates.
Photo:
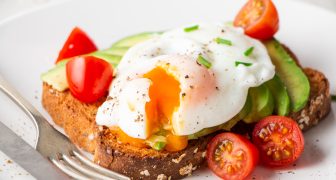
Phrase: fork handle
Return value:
(29, 109)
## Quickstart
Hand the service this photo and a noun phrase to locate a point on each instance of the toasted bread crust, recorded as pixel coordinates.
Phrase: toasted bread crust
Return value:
(78, 121)
(77, 118)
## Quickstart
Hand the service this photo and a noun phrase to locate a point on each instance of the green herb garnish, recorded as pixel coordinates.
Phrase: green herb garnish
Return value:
(249, 51)
(159, 145)
(237, 63)
(191, 28)
(223, 41)
(333, 97)
(204, 61)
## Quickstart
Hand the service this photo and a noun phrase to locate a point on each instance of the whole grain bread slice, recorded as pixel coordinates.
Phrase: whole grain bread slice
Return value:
(78, 121)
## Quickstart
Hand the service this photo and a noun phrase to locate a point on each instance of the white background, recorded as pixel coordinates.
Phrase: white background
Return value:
(11, 7)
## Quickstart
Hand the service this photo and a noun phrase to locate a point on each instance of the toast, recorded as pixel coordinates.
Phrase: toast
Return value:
(78, 121)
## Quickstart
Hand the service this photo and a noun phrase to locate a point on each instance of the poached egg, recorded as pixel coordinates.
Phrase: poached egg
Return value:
(162, 84)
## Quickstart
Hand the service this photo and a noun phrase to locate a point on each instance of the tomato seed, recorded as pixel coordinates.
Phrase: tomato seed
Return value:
(284, 130)
(229, 169)
(228, 147)
(286, 153)
(276, 155)
(289, 143)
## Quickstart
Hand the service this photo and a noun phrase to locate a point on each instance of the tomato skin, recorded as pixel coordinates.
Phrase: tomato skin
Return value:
(239, 144)
(285, 136)
(262, 25)
(88, 77)
(78, 43)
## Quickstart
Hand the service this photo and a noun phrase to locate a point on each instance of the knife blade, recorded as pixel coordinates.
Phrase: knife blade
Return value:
(27, 157)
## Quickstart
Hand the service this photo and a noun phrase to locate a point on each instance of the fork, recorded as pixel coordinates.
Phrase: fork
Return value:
(55, 146)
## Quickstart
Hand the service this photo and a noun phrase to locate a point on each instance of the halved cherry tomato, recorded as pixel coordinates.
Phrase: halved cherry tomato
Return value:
(88, 77)
(232, 156)
(279, 140)
(259, 18)
(78, 43)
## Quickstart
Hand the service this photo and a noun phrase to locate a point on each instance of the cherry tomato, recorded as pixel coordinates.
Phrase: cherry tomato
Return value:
(78, 43)
(259, 18)
(231, 156)
(279, 140)
(88, 77)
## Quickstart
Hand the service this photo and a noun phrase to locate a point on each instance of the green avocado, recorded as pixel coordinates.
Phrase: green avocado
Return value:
(280, 95)
(130, 41)
(262, 104)
(117, 51)
(295, 80)
(228, 125)
(56, 77)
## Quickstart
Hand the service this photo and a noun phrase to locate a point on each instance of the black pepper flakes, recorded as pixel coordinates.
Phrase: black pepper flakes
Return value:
(184, 94)
(186, 76)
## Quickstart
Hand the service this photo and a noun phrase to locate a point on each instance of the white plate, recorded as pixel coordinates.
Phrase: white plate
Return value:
(30, 42)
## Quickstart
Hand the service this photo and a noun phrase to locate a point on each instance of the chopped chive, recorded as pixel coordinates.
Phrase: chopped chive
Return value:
(159, 145)
(249, 51)
(203, 61)
(333, 97)
(223, 41)
(191, 28)
(237, 63)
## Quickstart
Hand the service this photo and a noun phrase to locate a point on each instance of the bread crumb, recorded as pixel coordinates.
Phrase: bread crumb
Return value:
(100, 128)
(109, 150)
(179, 159)
(91, 137)
(9, 161)
(51, 91)
(186, 170)
(162, 177)
(203, 154)
(145, 172)
(195, 151)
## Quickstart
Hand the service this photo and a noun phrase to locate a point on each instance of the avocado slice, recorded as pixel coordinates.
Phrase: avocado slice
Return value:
(157, 142)
(262, 104)
(117, 51)
(112, 59)
(134, 39)
(290, 73)
(280, 95)
(56, 77)
(229, 124)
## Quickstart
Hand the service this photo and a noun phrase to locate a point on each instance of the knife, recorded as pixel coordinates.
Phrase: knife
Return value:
(27, 157)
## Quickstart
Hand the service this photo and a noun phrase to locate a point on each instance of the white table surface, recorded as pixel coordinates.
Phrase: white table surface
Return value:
(8, 168)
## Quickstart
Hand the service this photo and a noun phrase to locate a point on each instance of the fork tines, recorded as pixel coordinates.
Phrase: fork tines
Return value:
(79, 167)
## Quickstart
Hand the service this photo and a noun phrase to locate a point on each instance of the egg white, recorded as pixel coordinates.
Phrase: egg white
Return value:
(208, 97)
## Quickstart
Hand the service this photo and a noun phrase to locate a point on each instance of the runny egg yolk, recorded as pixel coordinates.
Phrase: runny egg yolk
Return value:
(164, 94)
(165, 99)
